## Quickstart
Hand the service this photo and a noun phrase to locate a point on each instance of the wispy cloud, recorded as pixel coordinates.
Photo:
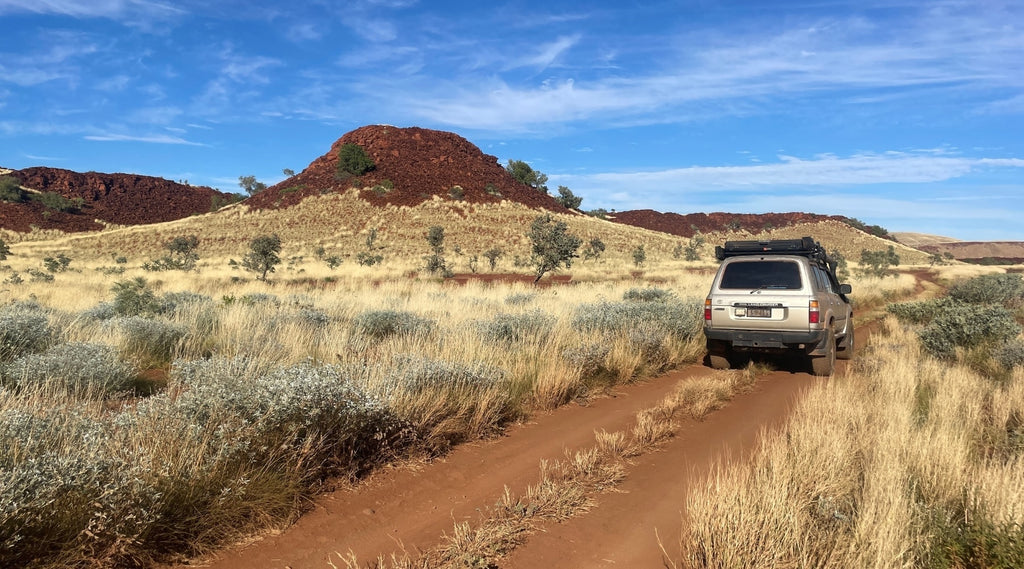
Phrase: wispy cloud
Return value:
(152, 139)
(88, 8)
(547, 54)
(789, 171)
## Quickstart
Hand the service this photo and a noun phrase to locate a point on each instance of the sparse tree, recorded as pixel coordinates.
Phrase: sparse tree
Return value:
(288, 172)
(553, 245)
(522, 172)
(877, 263)
(10, 190)
(599, 213)
(353, 161)
(593, 249)
(639, 255)
(263, 255)
(435, 261)
(568, 199)
(251, 185)
(370, 256)
(492, 256)
(4, 250)
(57, 264)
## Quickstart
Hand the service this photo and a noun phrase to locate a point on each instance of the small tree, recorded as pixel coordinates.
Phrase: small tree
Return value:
(553, 245)
(57, 264)
(639, 255)
(288, 172)
(10, 190)
(353, 161)
(263, 255)
(522, 172)
(492, 256)
(877, 263)
(568, 199)
(593, 249)
(4, 250)
(251, 185)
(436, 262)
(370, 257)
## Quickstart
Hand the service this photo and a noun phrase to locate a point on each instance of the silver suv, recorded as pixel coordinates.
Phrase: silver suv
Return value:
(778, 296)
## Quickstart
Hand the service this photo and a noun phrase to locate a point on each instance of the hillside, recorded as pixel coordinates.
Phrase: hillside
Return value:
(688, 225)
(101, 199)
(411, 165)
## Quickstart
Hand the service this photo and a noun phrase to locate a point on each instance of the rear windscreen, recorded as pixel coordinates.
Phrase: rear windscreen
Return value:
(779, 275)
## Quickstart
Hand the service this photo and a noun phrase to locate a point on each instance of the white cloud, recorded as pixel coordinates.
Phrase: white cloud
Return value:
(153, 139)
(791, 171)
(88, 8)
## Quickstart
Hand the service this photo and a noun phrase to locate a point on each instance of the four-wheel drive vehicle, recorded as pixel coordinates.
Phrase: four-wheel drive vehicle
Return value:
(779, 296)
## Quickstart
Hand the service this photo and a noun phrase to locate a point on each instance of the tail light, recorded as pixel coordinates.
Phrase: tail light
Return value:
(707, 309)
(814, 312)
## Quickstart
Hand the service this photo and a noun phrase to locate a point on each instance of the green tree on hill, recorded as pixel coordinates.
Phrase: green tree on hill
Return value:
(522, 172)
(553, 245)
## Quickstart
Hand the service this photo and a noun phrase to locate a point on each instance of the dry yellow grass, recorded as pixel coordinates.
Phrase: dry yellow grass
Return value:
(904, 463)
(341, 222)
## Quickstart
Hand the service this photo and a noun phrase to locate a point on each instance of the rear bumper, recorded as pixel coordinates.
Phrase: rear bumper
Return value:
(809, 342)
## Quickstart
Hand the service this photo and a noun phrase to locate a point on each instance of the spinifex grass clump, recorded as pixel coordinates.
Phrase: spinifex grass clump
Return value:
(448, 402)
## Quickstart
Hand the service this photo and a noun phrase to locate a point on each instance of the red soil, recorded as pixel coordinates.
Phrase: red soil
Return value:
(412, 508)
(121, 199)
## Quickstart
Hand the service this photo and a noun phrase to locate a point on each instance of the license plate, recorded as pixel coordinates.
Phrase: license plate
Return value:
(759, 312)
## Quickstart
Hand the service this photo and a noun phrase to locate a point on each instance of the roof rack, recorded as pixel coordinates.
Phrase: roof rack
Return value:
(805, 247)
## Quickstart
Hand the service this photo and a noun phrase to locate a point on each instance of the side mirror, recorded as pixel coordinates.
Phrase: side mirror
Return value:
(845, 289)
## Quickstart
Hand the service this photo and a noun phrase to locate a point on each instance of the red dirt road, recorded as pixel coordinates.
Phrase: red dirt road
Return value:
(413, 508)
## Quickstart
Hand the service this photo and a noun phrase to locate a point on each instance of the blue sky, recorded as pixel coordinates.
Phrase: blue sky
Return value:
(902, 113)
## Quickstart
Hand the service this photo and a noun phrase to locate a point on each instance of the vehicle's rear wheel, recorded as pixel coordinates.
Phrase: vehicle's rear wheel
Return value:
(844, 350)
(825, 365)
(718, 362)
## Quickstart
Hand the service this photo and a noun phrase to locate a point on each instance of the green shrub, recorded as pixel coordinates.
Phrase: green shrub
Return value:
(24, 329)
(1011, 354)
(134, 298)
(381, 324)
(517, 327)
(5, 251)
(967, 326)
(10, 190)
(650, 294)
(920, 311)
(56, 202)
(520, 298)
(353, 161)
(57, 264)
(79, 368)
(1002, 289)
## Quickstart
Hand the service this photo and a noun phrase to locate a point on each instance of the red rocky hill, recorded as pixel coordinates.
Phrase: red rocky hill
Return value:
(417, 164)
(121, 199)
(690, 224)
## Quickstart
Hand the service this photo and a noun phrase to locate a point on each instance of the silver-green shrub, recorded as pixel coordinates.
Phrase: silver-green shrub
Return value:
(150, 342)
(504, 327)
(680, 318)
(381, 324)
(1005, 289)
(24, 329)
(919, 311)
(649, 294)
(1011, 354)
(79, 368)
(967, 326)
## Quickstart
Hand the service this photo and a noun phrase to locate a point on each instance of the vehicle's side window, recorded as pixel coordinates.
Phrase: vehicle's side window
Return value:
(824, 284)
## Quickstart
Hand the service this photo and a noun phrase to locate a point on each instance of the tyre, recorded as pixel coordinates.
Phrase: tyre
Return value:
(825, 365)
(844, 350)
(718, 362)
